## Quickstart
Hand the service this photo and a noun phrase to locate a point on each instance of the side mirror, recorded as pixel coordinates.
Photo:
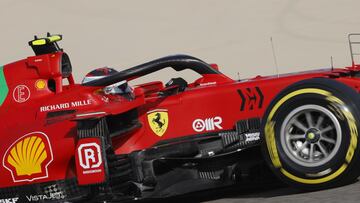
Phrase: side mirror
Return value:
(139, 92)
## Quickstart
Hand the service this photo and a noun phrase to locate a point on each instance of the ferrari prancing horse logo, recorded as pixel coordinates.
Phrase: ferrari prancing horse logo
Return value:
(158, 121)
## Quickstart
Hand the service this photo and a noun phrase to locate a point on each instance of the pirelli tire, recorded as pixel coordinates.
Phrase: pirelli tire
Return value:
(301, 115)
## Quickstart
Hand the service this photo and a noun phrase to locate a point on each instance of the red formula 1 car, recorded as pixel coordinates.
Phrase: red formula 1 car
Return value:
(105, 140)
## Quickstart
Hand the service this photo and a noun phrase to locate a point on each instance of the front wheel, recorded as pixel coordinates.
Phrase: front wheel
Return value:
(310, 134)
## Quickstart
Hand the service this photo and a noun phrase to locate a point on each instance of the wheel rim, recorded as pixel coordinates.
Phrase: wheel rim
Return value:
(310, 135)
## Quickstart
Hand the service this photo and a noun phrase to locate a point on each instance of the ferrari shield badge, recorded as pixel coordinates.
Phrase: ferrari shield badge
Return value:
(158, 121)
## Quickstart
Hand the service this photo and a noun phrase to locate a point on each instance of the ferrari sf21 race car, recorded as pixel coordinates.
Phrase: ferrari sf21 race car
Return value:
(105, 140)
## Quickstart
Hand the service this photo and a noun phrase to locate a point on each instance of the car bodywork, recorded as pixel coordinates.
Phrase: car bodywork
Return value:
(66, 141)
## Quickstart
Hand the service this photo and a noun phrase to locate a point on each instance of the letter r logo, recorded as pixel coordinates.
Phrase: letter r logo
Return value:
(90, 161)
(89, 155)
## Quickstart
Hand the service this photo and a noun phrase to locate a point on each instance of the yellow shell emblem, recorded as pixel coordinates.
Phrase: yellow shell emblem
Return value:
(27, 159)
(158, 121)
(40, 84)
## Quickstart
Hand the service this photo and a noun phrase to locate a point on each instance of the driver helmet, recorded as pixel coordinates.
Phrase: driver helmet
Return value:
(118, 88)
(98, 74)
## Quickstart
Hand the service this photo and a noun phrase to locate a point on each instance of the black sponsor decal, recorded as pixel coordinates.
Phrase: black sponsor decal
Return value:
(251, 98)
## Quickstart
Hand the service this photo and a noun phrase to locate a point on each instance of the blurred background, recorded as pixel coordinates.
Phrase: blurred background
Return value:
(235, 34)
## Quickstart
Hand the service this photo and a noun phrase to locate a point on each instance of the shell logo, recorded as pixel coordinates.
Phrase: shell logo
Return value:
(28, 158)
(40, 84)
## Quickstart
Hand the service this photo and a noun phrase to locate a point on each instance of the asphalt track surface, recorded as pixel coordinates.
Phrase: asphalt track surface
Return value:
(271, 193)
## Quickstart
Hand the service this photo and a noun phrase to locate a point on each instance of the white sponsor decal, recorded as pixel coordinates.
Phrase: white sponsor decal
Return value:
(52, 192)
(51, 196)
(66, 105)
(252, 137)
(90, 157)
(207, 84)
(208, 124)
(21, 93)
(9, 200)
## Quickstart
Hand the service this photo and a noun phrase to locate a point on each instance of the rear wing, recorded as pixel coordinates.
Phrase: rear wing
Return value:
(354, 41)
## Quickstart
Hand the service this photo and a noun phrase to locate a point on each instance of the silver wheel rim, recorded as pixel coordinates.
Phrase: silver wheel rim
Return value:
(310, 135)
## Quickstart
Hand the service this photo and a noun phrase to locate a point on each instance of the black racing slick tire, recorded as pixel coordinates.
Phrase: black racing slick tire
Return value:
(310, 134)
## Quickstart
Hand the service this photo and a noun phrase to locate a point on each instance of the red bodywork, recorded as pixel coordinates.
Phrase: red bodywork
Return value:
(29, 101)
